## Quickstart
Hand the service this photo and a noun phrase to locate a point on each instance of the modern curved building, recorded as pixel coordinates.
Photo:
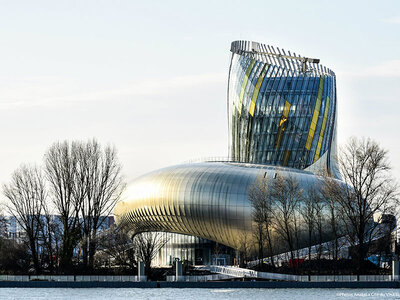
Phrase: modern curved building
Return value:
(281, 108)
(282, 119)
(208, 200)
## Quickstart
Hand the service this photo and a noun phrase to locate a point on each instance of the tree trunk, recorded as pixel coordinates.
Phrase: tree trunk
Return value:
(67, 251)
(92, 251)
(85, 252)
(260, 246)
(271, 252)
(309, 244)
(35, 258)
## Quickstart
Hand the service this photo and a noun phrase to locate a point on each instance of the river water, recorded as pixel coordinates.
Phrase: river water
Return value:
(188, 294)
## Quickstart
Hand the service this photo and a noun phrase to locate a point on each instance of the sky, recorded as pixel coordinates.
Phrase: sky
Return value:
(150, 77)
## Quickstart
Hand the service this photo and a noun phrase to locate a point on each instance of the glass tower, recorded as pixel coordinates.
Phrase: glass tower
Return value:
(281, 108)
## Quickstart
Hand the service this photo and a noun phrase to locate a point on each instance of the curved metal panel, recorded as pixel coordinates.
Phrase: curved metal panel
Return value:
(209, 200)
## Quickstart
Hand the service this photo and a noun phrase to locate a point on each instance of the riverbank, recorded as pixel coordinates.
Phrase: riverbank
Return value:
(210, 284)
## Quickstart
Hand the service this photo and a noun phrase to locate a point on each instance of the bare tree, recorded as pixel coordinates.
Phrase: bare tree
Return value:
(85, 181)
(308, 212)
(331, 190)
(147, 245)
(27, 193)
(14, 256)
(3, 225)
(257, 202)
(369, 190)
(49, 236)
(118, 246)
(244, 247)
(286, 194)
(101, 184)
(319, 225)
(61, 163)
(261, 201)
(297, 227)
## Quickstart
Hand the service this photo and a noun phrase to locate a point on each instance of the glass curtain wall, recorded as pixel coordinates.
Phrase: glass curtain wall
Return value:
(281, 111)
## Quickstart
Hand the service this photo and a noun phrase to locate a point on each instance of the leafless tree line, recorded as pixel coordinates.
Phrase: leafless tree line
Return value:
(370, 192)
(287, 217)
(79, 183)
(119, 249)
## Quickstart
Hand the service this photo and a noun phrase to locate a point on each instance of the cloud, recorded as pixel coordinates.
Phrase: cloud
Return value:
(389, 68)
(386, 69)
(54, 92)
(393, 20)
(164, 86)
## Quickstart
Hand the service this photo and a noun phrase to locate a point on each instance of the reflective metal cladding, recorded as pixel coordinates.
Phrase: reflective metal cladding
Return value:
(209, 199)
(282, 118)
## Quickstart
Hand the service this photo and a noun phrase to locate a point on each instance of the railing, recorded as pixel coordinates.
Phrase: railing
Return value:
(323, 249)
(348, 278)
(199, 278)
(224, 273)
(79, 278)
(243, 273)
(210, 159)
(247, 273)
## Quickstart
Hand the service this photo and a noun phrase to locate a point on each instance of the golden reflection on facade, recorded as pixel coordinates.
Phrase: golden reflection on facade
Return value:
(208, 200)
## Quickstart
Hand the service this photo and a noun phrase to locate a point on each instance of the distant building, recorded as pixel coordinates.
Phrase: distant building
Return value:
(11, 229)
